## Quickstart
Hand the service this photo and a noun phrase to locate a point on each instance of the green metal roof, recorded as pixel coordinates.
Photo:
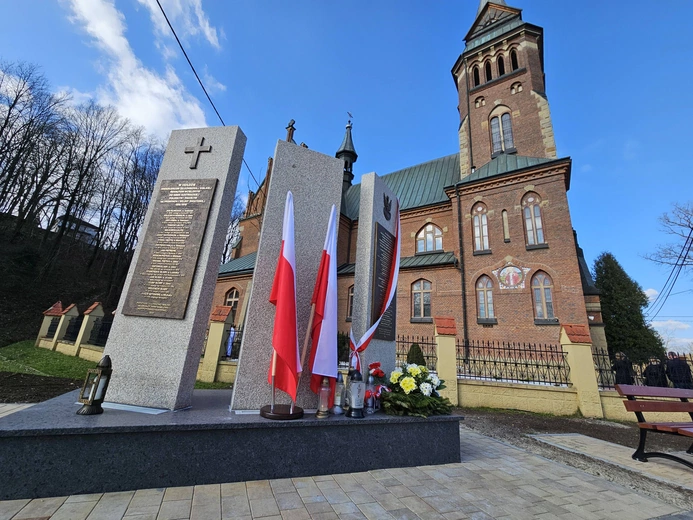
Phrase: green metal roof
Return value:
(242, 265)
(497, 31)
(503, 163)
(411, 262)
(416, 186)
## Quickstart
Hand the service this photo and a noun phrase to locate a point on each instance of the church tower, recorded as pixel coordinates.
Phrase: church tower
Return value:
(501, 88)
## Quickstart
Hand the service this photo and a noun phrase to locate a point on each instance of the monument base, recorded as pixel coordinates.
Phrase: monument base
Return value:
(48, 450)
(281, 412)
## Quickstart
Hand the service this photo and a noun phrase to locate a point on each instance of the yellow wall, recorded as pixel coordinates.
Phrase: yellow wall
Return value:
(555, 400)
(45, 343)
(226, 371)
(69, 349)
(91, 353)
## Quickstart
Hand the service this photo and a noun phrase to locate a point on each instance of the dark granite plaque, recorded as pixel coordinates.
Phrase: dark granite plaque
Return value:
(383, 251)
(162, 279)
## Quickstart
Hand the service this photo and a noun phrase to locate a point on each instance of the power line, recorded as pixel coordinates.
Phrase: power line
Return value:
(673, 276)
(200, 81)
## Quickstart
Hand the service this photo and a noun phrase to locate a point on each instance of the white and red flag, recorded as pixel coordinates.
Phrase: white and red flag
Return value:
(362, 344)
(285, 356)
(323, 355)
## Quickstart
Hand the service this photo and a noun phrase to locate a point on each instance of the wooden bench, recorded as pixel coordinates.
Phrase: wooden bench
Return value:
(655, 399)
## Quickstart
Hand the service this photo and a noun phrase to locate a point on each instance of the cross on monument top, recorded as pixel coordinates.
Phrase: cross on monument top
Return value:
(196, 151)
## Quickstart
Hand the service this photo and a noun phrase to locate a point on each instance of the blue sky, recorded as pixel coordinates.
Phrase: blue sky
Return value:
(618, 77)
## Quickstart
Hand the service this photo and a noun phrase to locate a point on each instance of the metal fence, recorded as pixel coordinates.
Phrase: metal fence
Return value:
(73, 327)
(606, 375)
(100, 331)
(426, 344)
(343, 349)
(512, 362)
(53, 327)
(231, 354)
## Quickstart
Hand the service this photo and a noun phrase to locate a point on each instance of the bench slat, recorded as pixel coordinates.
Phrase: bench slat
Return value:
(667, 427)
(658, 406)
(688, 432)
(653, 391)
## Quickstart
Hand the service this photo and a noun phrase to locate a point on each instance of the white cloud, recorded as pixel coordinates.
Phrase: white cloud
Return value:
(159, 103)
(211, 82)
(187, 17)
(670, 325)
(651, 294)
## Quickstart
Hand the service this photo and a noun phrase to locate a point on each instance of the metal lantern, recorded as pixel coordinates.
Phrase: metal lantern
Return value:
(95, 386)
(357, 391)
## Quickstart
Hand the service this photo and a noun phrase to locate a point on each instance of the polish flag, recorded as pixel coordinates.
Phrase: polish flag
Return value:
(323, 355)
(285, 337)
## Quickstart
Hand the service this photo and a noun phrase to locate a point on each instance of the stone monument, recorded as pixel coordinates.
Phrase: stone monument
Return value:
(315, 180)
(375, 246)
(157, 335)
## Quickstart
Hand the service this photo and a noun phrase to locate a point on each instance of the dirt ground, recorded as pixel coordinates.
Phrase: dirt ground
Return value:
(29, 388)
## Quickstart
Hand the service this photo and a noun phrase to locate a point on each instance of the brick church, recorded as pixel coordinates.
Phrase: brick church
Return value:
(486, 231)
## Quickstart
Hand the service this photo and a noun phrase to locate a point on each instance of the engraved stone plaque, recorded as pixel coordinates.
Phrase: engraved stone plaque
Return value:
(164, 273)
(383, 251)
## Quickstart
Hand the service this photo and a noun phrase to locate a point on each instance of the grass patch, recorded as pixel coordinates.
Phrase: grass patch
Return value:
(25, 358)
(200, 385)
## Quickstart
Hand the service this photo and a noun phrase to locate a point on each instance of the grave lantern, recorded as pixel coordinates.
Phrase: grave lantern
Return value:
(95, 386)
(357, 391)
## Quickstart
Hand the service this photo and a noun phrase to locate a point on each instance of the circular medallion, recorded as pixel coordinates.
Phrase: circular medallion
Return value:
(511, 276)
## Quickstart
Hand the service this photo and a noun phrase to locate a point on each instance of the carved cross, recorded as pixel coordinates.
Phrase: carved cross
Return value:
(196, 151)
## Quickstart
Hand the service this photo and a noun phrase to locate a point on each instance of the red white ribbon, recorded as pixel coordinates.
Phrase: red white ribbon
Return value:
(357, 348)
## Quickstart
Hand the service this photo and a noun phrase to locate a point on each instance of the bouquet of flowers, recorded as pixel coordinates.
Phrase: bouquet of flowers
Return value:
(414, 391)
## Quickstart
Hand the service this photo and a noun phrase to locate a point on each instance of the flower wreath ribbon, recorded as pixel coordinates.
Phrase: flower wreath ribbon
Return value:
(362, 344)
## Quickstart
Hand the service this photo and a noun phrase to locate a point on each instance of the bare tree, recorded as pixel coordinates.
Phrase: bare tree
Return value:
(233, 233)
(678, 224)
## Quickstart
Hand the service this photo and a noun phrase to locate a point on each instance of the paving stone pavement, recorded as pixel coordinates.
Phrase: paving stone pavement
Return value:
(660, 469)
(493, 481)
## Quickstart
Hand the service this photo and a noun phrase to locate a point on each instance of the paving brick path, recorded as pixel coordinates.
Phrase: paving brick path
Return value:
(494, 480)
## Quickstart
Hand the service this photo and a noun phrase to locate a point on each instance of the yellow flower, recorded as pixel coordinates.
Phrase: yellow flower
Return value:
(394, 377)
(408, 384)
(413, 370)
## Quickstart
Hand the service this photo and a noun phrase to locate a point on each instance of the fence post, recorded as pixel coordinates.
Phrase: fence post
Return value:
(446, 354)
(215, 341)
(55, 310)
(577, 344)
(90, 316)
(70, 311)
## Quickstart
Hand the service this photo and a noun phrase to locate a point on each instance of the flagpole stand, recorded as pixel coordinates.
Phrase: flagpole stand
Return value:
(282, 412)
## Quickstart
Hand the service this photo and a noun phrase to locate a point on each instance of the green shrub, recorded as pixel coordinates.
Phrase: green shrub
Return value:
(415, 355)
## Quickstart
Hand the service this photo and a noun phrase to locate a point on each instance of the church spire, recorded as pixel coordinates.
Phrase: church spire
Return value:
(347, 153)
(482, 3)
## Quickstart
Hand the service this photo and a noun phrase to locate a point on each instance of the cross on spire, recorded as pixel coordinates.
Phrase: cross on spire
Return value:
(196, 151)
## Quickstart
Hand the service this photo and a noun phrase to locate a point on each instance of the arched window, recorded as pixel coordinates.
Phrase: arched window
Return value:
(421, 299)
(502, 134)
(430, 238)
(516, 87)
(542, 294)
(477, 78)
(506, 227)
(531, 211)
(501, 66)
(480, 102)
(231, 300)
(350, 302)
(487, 68)
(484, 298)
(480, 224)
(513, 60)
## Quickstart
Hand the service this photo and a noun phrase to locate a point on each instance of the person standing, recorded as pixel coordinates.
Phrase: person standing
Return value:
(655, 374)
(229, 343)
(623, 369)
(679, 372)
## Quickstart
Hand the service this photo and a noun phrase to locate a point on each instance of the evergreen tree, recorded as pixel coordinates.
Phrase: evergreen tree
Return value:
(623, 301)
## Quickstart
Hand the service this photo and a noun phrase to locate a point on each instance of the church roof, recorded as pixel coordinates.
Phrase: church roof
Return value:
(347, 145)
(411, 262)
(416, 186)
(482, 3)
(242, 265)
(497, 31)
(503, 163)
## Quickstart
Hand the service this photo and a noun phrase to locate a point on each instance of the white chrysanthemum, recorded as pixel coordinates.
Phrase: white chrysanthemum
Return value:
(435, 381)
(398, 369)
(426, 389)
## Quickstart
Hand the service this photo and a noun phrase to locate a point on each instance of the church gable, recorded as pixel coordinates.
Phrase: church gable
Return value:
(491, 16)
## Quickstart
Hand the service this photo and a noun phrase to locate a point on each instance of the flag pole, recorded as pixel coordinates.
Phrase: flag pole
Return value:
(274, 372)
(311, 318)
